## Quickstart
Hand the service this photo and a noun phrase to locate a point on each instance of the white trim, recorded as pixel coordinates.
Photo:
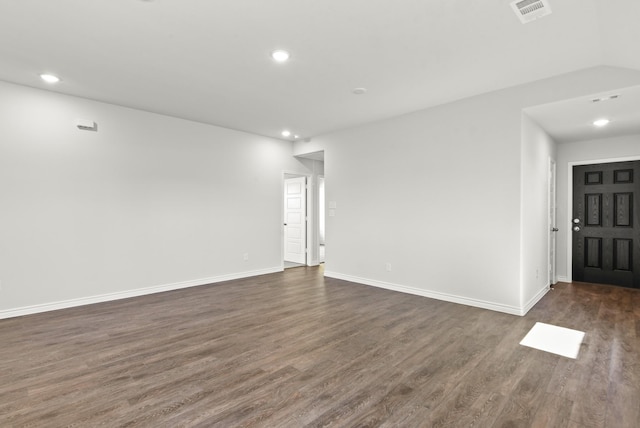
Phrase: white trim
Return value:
(513, 310)
(563, 279)
(570, 166)
(54, 306)
(535, 299)
(569, 248)
(552, 201)
(318, 214)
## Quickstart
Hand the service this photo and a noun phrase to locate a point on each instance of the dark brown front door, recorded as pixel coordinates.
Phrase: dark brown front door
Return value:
(605, 223)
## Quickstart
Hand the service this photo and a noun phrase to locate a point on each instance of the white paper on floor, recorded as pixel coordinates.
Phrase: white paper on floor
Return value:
(554, 339)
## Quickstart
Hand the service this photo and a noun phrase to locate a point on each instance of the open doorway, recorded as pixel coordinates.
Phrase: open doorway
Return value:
(293, 244)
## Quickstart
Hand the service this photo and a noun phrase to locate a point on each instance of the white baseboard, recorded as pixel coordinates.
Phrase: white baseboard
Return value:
(513, 310)
(562, 279)
(54, 306)
(535, 299)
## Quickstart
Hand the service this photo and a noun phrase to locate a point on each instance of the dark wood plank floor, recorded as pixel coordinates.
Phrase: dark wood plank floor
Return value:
(295, 349)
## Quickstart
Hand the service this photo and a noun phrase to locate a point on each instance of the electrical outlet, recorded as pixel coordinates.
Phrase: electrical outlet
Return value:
(537, 274)
(388, 267)
(245, 256)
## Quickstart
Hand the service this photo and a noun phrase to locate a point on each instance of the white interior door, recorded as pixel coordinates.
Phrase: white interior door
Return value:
(295, 222)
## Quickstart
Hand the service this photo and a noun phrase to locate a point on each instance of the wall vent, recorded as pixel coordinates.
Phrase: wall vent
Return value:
(530, 10)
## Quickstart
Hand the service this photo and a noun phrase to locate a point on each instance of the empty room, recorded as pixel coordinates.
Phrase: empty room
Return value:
(296, 213)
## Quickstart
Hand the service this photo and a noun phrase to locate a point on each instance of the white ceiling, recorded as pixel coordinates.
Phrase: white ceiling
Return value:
(572, 120)
(209, 61)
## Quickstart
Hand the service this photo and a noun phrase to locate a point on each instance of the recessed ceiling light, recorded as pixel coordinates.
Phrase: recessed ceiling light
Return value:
(601, 122)
(50, 78)
(359, 91)
(286, 133)
(280, 55)
(296, 136)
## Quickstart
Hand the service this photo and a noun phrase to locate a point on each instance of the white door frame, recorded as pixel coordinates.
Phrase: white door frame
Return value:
(311, 218)
(552, 245)
(570, 166)
(321, 215)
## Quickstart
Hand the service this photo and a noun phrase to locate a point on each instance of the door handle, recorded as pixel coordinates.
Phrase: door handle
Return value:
(576, 228)
(555, 229)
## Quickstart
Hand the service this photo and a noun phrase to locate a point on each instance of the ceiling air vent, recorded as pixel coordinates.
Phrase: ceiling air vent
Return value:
(606, 98)
(530, 10)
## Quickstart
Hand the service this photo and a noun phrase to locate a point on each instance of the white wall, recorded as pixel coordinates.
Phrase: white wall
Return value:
(151, 202)
(537, 149)
(147, 201)
(437, 193)
(592, 151)
(408, 193)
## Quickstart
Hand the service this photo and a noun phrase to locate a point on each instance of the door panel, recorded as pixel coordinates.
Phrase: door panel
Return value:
(295, 232)
(606, 237)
